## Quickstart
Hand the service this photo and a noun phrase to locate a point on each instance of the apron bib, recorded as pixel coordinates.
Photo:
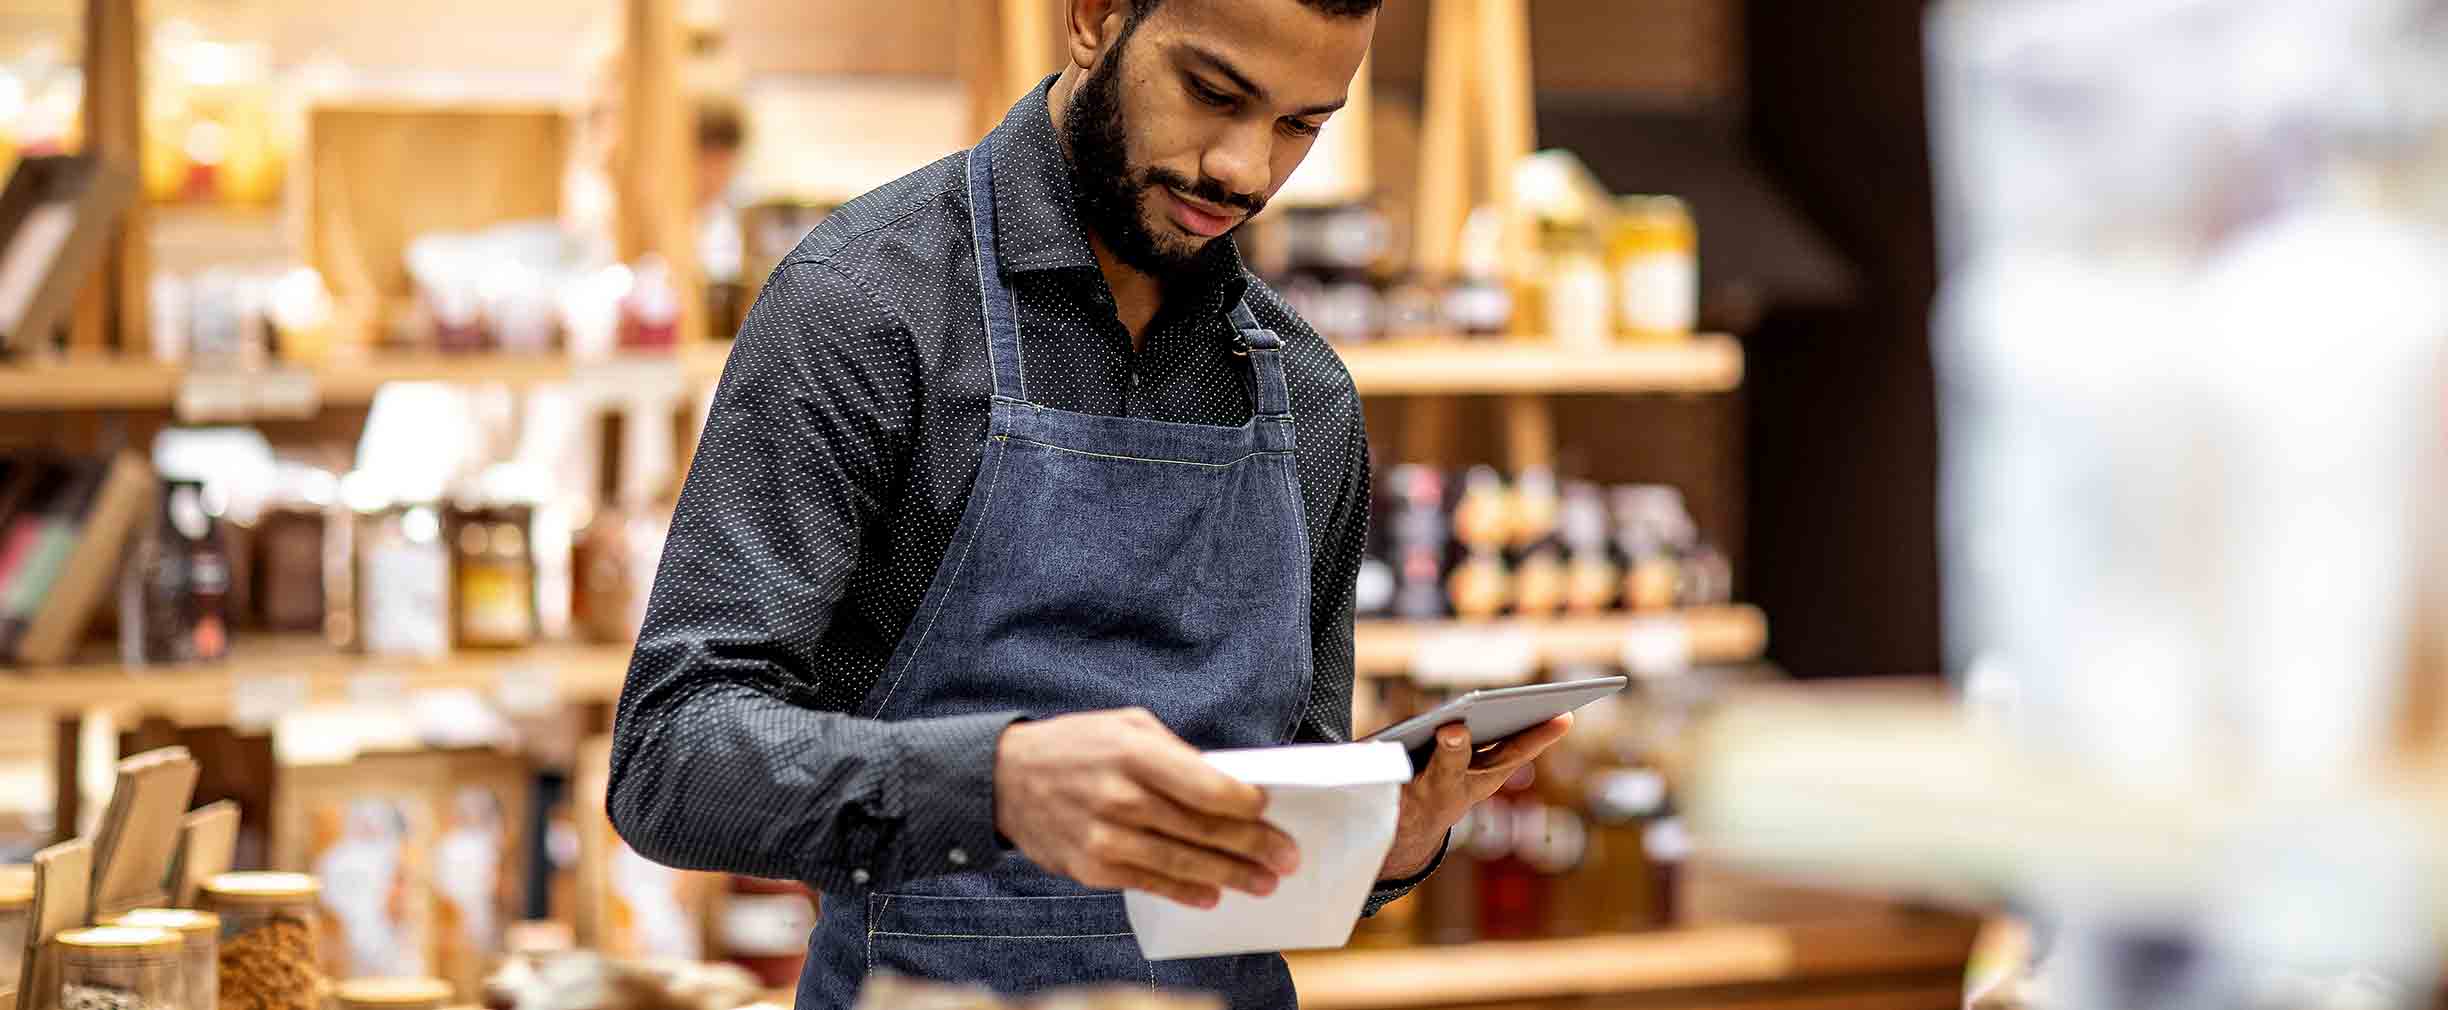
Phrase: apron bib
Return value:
(1101, 562)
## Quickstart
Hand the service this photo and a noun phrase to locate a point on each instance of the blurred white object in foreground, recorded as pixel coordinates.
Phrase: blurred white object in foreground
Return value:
(2190, 344)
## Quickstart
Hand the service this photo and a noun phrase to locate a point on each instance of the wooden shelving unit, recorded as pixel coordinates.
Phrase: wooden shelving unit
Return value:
(1907, 964)
(1731, 634)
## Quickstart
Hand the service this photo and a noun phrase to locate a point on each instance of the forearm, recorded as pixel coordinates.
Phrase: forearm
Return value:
(710, 773)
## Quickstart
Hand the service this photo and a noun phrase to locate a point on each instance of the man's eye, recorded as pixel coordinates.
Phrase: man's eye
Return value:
(1209, 96)
(1302, 127)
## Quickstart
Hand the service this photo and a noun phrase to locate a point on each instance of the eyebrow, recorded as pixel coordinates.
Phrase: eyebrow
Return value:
(1240, 80)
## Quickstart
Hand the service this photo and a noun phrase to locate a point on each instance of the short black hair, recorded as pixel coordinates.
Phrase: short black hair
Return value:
(1330, 8)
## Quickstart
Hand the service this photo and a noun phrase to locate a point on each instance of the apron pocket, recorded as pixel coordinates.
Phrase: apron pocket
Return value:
(1016, 946)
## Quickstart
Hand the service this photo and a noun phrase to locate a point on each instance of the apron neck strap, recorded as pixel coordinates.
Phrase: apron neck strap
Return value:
(1261, 345)
(1002, 312)
(1265, 351)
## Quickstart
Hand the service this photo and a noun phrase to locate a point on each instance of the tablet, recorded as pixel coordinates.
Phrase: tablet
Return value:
(1495, 714)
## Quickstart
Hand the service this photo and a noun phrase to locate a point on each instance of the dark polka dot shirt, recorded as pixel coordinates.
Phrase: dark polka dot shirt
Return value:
(838, 455)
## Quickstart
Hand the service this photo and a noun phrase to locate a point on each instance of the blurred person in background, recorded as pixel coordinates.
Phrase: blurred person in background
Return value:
(1018, 492)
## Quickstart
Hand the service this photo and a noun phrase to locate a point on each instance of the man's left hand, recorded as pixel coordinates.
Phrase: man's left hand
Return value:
(1455, 779)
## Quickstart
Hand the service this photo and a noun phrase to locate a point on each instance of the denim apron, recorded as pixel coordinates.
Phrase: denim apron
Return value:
(1101, 562)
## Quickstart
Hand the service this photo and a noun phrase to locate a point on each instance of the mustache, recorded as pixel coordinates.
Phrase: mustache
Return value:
(1206, 189)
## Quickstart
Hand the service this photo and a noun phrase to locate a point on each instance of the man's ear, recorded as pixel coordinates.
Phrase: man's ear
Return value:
(1090, 27)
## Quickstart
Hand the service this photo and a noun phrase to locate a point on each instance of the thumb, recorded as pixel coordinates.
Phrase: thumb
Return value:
(1453, 752)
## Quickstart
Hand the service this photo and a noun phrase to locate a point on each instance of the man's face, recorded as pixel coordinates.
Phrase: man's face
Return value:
(1197, 114)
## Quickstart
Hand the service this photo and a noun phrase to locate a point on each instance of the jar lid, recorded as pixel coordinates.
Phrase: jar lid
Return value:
(16, 885)
(402, 991)
(126, 939)
(177, 920)
(263, 887)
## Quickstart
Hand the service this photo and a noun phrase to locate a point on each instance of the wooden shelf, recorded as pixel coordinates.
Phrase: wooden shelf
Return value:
(1709, 363)
(1706, 364)
(215, 693)
(1892, 964)
(1732, 634)
(279, 671)
(102, 383)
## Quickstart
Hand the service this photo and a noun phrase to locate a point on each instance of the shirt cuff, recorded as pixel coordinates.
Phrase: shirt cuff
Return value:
(945, 794)
(1388, 891)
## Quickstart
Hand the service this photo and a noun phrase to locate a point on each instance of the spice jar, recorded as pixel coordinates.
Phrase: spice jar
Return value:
(199, 936)
(403, 993)
(16, 913)
(120, 968)
(268, 940)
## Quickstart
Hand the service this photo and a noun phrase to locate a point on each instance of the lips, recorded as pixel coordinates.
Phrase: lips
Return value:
(1197, 219)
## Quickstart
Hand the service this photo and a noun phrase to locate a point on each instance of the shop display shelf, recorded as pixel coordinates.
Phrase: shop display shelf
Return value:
(265, 676)
(283, 389)
(1706, 635)
(1905, 963)
(1707, 363)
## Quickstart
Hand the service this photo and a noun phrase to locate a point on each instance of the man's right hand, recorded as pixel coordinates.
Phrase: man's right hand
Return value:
(1115, 800)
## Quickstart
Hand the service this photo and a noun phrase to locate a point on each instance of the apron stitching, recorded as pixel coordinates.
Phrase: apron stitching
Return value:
(1149, 459)
(918, 647)
(998, 936)
(1307, 592)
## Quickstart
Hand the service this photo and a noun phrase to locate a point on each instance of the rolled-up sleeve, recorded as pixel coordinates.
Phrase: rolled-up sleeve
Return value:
(722, 758)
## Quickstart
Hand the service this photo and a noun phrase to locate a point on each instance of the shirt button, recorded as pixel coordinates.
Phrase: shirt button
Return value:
(959, 857)
(858, 876)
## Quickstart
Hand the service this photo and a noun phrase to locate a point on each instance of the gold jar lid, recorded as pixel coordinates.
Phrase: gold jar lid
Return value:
(120, 939)
(399, 991)
(16, 886)
(183, 921)
(262, 888)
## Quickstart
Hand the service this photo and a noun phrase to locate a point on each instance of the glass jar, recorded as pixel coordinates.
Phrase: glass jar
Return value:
(199, 936)
(269, 947)
(400, 993)
(495, 575)
(120, 968)
(16, 911)
(1653, 252)
(403, 582)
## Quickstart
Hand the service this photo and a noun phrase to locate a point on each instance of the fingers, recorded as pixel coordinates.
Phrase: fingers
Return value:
(1453, 755)
(1177, 773)
(1257, 842)
(1520, 748)
(1134, 878)
(1181, 862)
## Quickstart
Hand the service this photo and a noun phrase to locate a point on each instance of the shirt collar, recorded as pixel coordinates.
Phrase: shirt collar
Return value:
(1031, 171)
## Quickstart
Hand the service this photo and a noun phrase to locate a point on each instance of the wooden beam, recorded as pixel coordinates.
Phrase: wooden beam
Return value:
(113, 307)
(1444, 169)
(1509, 128)
(657, 167)
(1530, 431)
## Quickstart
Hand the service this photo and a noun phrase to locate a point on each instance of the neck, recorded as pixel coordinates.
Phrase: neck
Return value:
(1137, 295)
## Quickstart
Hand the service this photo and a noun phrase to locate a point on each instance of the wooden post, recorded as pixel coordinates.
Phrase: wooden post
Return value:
(1529, 429)
(1444, 168)
(981, 59)
(111, 310)
(657, 166)
(1030, 28)
(1510, 130)
(67, 752)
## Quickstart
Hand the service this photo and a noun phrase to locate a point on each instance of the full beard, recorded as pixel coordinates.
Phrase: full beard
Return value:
(1112, 193)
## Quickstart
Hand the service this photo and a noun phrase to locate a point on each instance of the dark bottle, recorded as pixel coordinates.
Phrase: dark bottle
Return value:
(1417, 535)
(1512, 893)
(174, 592)
(290, 549)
